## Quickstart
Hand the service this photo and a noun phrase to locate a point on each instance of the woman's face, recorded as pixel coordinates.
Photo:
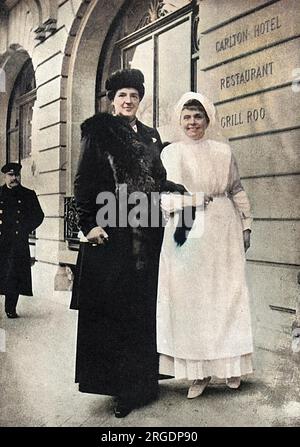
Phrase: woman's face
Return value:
(193, 122)
(126, 102)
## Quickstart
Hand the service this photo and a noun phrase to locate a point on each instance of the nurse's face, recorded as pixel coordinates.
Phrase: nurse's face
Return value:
(126, 102)
(193, 122)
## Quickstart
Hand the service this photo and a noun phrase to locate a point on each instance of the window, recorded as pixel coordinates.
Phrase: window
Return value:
(163, 47)
(160, 38)
(20, 115)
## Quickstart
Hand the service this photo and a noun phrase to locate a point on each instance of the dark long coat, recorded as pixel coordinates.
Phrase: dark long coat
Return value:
(115, 285)
(20, 214)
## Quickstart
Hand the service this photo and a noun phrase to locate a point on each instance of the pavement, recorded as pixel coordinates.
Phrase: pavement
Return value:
(37, 386)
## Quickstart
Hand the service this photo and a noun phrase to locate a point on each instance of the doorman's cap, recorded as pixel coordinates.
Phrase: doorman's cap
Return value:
(12, 168)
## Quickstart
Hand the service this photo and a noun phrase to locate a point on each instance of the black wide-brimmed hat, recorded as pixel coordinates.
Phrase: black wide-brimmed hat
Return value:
(126, 78)
(12, 168)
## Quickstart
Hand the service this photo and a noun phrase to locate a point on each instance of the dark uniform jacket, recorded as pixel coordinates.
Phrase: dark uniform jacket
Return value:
(20, 214)
(115, 285)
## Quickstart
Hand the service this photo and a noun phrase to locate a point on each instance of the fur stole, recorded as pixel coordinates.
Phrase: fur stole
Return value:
(132, 160)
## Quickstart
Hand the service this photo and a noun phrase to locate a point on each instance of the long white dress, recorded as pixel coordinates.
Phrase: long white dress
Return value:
(203, 315)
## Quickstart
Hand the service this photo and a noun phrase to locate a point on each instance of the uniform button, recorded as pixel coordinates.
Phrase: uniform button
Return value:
(0, 222)
(19, 201)
(18, 211)
(1, 211)
(17, 221)
(17, 232)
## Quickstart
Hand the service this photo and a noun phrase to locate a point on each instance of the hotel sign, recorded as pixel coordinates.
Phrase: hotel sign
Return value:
(265, 69)
(269, 25)
(277, 109)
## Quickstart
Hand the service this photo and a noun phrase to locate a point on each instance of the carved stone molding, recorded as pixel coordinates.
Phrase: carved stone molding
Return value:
(40, 32)
(45, 30)
(158, 9)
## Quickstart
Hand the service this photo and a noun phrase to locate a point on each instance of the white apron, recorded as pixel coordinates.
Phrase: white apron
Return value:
(203, 309)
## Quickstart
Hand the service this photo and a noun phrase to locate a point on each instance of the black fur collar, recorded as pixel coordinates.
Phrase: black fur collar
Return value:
(130, 158)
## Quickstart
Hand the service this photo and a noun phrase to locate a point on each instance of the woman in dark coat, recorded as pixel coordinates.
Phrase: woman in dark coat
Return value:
(116, 276)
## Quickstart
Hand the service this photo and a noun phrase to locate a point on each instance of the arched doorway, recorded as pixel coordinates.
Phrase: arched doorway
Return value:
(19, 116)
(158, 38)
(19, 126)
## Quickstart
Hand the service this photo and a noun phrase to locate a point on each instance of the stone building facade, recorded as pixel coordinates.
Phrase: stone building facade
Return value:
(54, 58)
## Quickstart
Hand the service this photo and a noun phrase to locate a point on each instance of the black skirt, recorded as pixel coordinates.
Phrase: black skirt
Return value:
(115, 290)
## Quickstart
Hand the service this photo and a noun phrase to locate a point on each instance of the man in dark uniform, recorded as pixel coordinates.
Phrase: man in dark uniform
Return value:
(20, 214)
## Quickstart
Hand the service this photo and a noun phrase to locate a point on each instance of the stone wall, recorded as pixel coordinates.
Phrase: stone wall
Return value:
(28, 35)
(248, 59)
